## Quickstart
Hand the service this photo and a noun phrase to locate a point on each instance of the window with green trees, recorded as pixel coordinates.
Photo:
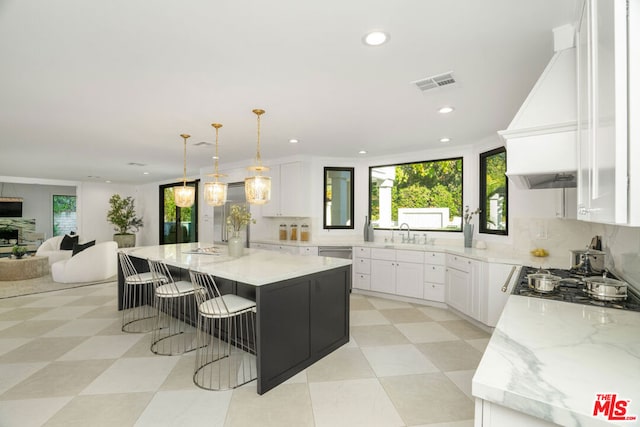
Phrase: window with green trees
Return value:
(425, 195)
(493, 192)
(64, 215)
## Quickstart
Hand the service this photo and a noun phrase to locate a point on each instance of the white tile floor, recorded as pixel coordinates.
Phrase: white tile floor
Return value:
(65, 362)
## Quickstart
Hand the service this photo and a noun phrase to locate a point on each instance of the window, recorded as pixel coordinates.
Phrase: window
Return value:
(493, 192)
(64, 215)
(425, 195)
(338, 198)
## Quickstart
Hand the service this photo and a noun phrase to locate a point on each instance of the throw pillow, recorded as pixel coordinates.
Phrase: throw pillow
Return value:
(79, 248)
(68, 242)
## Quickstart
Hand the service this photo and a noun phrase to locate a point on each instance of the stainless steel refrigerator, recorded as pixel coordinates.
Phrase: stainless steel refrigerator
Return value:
(235, 196)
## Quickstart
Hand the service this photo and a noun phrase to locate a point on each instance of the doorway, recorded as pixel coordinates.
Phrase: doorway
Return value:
(177, 225)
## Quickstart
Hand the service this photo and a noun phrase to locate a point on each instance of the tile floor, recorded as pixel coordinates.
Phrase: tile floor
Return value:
(65, 362)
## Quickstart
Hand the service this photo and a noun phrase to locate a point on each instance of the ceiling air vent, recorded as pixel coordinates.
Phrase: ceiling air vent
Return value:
(433, 82)
(202, 144)
(136, 164)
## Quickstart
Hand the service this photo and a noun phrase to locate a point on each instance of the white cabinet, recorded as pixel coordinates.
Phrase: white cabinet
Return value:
(309, 250)
(489, 414)
(495, 286)
(462, 276)
(285, 249)
(397, 272)
(289, 191)
(607, 67)
(361, 268)
(434, 276)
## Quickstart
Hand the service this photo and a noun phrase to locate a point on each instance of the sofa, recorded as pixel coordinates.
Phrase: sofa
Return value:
(51, 249)
(95, 263)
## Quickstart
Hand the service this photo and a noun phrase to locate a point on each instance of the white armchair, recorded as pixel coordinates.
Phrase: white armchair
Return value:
(98, 262)
(51, 249)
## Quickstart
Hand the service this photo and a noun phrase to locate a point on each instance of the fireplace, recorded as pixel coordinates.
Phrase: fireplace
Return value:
(8, 234)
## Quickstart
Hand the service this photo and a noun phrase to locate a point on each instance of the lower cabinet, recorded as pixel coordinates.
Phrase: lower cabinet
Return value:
(397, 272)
(489, 414)
(462, 284)
(470, 286)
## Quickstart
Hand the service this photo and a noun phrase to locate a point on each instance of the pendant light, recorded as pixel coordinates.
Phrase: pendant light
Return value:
(215, 193)
(257, 188)
(184, 196)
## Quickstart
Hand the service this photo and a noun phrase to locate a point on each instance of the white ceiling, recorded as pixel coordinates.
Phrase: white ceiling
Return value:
(87, 87)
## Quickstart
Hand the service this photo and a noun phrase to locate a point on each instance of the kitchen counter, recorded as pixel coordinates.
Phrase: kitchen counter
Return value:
(256, 267)
(504, 255)
(551, 359)
(302, 302)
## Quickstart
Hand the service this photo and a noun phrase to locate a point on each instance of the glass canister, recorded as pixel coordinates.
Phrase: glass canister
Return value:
(294, 232)
(283, 232)
(304, 233)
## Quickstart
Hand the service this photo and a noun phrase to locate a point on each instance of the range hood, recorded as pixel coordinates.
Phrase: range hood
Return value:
(541, 139)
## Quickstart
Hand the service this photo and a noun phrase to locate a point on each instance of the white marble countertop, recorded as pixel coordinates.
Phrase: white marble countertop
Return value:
(499, 255)
(257, 267)
(550, 359)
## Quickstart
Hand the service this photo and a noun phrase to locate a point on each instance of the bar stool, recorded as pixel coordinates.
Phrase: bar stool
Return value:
(175, 308)
(138, 312)
(226, 337)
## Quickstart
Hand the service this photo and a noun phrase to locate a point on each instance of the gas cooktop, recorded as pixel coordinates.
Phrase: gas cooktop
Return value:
(572, 290)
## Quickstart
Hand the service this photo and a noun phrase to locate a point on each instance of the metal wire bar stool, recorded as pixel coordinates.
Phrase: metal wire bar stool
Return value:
(175, 308)
(138, 312)
(226, 337)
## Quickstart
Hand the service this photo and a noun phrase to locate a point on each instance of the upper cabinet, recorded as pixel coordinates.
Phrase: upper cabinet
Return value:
(607, 82)
(289, 191)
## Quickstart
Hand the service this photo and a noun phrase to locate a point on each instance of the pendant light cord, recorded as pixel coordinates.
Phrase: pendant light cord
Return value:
(184, 168)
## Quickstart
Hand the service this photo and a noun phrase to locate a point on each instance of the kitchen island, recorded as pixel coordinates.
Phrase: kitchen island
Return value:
(551, 362)
(302, 302)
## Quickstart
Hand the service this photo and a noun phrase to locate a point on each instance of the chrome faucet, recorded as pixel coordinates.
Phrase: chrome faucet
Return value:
(408, 239)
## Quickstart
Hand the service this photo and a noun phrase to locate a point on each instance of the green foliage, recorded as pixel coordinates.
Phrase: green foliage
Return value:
(19, 251)
(496, 181)
(64, 204)
(123, 215)
(432, 184)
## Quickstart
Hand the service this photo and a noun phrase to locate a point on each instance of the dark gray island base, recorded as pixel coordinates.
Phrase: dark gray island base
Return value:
(299, 320)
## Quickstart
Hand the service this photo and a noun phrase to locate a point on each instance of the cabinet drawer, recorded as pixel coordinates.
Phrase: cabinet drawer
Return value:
(360, 252)
(384, 254)
(434, 273)
(410, 256)
(459, 263)
(309, 250)
(434, 258)
(434, 292)
(362, 281)
(362, 265)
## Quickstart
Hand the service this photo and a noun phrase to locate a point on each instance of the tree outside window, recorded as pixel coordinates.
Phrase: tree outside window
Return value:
(494, 192)
(64, 215)
(426, 195)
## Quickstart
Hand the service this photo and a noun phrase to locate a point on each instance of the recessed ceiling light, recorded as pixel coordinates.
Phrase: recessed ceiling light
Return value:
(375, 38)
(215, 157)
(293, 141)
(445, 110)
(145, 173)
(362, 152)
(108, 182)
(445, 139)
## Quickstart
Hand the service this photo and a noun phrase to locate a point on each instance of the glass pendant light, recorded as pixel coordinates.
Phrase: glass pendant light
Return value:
(257, 188)
(184, 196)
(215, 192)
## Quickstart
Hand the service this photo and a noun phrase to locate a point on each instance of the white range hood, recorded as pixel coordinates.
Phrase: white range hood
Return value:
(541, 139)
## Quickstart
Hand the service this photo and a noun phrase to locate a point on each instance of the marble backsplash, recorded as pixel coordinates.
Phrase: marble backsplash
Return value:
(621, 244)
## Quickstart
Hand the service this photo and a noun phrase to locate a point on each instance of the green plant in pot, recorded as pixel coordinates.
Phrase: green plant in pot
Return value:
(19, 251)
(122, 214)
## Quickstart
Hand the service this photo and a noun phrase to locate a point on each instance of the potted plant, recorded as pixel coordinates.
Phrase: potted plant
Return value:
(122, 215)
(19, 251)
(238, 219)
